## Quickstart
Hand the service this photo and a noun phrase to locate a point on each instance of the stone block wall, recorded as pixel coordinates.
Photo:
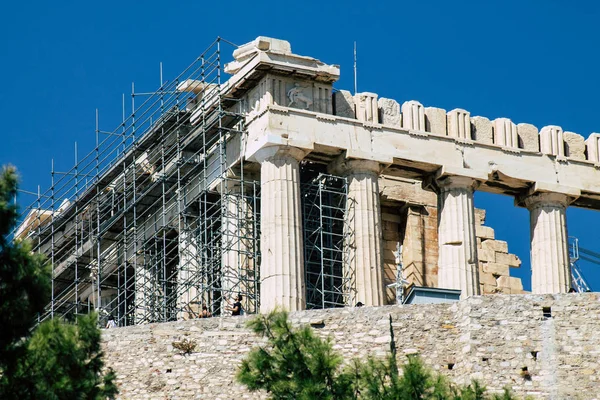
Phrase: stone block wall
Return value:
(545, 346)
(495, 261)
(420, 246)
(415, 228)
(391, 223)
(409, 215)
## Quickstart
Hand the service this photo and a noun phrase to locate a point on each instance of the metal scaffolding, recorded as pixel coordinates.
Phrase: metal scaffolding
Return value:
(578, 281)
(138, 227)
(162, 217)
(329, 279)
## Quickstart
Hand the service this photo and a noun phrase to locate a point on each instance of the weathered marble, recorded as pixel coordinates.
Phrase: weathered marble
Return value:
(459, 124)
(529, 137)
(344, 104)
(282, 262)
(389, 112)
(366, 107)
(482, 130)
(364, 219)
(550, 269)
(235, 248)
(552, 141)
(435, 120)
(593, 147)
(190, 299)
(505, 133)
(458, 265)
(574, 145)
(413, 116)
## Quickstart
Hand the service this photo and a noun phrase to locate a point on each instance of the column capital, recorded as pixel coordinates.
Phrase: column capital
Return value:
(547, 194)
(229, 186)
(345, 166)
(457, 182)
(234, 184)
(274, 152)
(449, 182)
(541, 199)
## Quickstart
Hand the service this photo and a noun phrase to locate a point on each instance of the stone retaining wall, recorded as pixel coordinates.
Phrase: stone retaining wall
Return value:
(546, 346)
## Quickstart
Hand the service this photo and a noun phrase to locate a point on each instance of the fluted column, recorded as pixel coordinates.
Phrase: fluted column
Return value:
(457, 264)
(282, 256)
(364, 217)
(550, 269)
(235, 260)
(188, 300)
(145, 284)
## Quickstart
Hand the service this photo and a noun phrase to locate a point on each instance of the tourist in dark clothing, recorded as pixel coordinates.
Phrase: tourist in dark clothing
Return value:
(236, 309)
(205, 313)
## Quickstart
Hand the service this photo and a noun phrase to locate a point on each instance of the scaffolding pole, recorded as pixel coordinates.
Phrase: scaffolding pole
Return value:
(146, 220)
(329, 280)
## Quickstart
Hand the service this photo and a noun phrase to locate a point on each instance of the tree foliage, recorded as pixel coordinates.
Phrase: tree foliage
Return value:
(24, 277)
(56, 360)
(296, 364)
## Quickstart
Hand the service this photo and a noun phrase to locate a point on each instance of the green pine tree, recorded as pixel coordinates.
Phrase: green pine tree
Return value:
(56, 360)
(24, 277)
(296, 364)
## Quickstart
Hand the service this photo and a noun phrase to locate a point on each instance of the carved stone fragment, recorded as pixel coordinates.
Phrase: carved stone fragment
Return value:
(435, 120)
(413, 116)
(389, 111)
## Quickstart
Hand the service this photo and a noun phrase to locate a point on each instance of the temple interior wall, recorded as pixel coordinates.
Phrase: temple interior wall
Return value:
(410, 216)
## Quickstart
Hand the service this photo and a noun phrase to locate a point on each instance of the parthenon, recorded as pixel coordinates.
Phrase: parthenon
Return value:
(274, 185)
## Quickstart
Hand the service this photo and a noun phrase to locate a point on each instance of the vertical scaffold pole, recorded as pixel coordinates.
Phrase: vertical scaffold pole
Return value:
(164, 207)
(122, 291)
(180, 276)
(202, 200)
(224, 196)
(52, 242)
(39, 218)
(135, 239)
(76, 233)
(321, 244)
(97, 179)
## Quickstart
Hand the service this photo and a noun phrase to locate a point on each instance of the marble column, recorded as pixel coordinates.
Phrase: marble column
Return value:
(457, 263)
(235, 240)
(146, 287)
(282, 253)
(188, 299)
(550, 269)
(364, 217)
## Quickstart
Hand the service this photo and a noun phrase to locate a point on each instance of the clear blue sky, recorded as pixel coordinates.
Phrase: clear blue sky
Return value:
(531, 61)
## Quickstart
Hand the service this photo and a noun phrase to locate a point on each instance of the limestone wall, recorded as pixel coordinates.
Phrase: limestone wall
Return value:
(546, 346)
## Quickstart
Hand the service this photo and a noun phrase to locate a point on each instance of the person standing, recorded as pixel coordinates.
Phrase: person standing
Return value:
(236, 308)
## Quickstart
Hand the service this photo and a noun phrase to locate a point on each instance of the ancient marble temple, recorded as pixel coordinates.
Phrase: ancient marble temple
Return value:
(258, 178)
